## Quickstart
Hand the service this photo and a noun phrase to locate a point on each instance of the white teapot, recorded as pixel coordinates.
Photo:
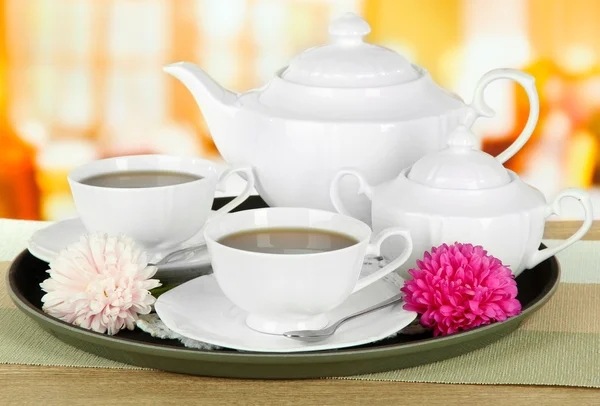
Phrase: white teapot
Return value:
(461, 194)
(346, 103)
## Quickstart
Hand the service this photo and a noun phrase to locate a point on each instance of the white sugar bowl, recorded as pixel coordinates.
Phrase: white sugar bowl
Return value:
(461, 194)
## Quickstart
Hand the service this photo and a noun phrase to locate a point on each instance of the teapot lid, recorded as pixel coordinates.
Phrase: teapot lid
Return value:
(348, 61)
(460, 166)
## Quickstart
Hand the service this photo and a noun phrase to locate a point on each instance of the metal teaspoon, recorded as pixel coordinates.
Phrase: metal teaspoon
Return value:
(318, 335)
(181, 254)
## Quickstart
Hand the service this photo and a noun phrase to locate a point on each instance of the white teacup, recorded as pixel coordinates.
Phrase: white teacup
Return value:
(160, 217)
(283, 292)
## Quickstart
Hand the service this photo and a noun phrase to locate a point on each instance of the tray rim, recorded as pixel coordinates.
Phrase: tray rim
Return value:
(234, 357)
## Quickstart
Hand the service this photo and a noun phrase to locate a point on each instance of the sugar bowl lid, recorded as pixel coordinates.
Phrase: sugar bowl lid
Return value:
(459, 166)
(348, 61)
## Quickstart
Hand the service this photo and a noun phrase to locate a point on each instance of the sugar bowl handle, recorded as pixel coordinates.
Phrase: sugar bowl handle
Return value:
(374, 248)
(554, 209)
(480, 108)
(334, 190)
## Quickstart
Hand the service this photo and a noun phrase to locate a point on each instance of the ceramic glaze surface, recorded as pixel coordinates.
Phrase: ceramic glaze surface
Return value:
(347, 103)
(46, 244)
(295, 168)
(294, 292)
(348, 61)
(198, 309)
(512, 237)
(419, 98)
(159, 218)
(460, 166)
(463, 195)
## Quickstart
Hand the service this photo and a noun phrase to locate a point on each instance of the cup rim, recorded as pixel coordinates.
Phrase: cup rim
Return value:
(211, 223)
(75, 175)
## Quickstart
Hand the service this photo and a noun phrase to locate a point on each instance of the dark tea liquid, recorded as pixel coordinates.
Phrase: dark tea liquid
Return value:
(288, 241)
(140, 179)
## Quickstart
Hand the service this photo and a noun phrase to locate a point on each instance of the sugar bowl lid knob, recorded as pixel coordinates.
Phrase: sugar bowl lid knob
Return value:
(462, 137)
(460, 166)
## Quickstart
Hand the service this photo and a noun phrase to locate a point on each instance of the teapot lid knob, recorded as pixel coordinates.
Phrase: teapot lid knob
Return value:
(349, 29)
(348, 61)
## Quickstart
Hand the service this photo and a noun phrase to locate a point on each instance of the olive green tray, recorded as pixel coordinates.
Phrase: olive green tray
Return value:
(536, 286)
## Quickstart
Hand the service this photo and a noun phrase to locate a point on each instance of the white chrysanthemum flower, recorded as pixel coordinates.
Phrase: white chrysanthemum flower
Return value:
(100, 283)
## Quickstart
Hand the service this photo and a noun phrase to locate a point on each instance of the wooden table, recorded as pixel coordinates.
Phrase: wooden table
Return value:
(24, 384)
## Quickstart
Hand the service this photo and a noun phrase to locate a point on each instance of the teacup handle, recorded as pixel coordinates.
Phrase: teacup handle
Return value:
(334, 190)
(480, 108)
(244, 169)
(554, 209)
(374, 248)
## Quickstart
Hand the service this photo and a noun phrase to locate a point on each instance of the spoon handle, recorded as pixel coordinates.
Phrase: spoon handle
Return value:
(385, 303)
(181, 254)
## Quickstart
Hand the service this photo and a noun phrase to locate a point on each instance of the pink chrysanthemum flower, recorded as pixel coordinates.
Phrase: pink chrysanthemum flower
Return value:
(459, 287)
(100, 283)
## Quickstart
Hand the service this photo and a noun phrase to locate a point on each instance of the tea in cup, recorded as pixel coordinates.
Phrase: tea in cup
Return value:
(287, 267)
(159, 200)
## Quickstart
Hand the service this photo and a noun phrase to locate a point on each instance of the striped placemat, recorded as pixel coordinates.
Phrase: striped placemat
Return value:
(558, 345)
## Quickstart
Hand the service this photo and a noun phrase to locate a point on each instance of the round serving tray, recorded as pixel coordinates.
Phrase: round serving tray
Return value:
(536, 286)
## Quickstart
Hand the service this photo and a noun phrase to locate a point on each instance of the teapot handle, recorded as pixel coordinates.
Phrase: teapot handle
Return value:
(554, 208)
(479, 107)
(334, 190)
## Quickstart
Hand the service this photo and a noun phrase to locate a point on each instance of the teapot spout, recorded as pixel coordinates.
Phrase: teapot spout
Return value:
(218, 105)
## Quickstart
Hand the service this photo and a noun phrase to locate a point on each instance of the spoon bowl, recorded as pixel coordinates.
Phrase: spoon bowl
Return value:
(324, 333)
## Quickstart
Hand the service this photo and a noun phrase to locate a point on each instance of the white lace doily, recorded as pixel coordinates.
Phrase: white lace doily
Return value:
(151, 323)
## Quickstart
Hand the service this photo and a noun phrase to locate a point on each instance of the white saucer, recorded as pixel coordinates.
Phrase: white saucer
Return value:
(198, 310)
(47, 242)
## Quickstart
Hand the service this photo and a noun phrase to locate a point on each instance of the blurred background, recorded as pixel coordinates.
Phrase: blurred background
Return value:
(82, 79)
